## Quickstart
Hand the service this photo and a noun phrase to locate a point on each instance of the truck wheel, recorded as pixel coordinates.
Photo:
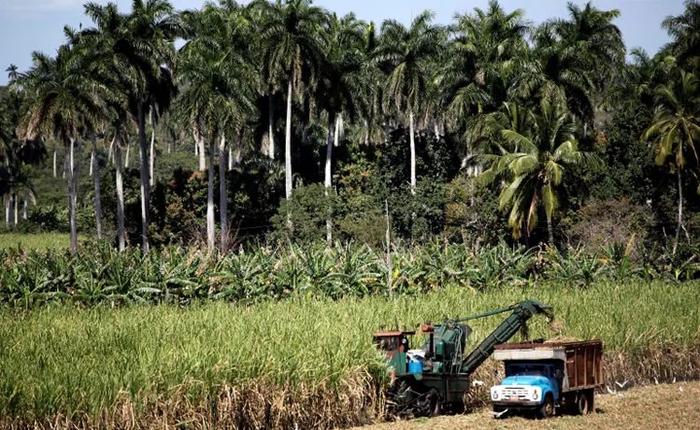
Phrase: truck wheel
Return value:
(547, 408)
(498, 412)
(591, 404)
(582, 405)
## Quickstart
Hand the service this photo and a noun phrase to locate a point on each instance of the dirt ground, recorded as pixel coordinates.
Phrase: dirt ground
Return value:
(675, 406)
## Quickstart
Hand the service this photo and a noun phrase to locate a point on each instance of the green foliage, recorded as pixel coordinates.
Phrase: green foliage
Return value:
(101, 275)
(303, 217)
(531, 104)
(537, 149)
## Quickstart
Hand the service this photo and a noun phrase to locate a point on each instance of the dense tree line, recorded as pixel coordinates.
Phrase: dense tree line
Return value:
(458, 130)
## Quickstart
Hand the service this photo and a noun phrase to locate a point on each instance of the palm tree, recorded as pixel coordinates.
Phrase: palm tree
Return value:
(15, 155)
(339, 82)
(683, 29)
(480, 66)
(675, 131)
(406, 54)
(216, 93)
(137, 54)
(535, 149)
(12, 72)
(480, 62)
(574, 58)
(62, 103)
(293, 42)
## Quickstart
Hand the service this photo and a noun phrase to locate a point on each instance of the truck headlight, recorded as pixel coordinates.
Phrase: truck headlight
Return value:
(535, 395)
(494, 394)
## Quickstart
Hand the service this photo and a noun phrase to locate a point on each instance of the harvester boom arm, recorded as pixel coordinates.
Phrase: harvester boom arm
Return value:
(522, 312)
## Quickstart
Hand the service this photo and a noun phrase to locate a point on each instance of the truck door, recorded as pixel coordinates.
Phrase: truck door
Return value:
(556, 375)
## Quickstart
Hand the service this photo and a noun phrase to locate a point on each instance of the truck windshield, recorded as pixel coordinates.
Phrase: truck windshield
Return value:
(527, 369)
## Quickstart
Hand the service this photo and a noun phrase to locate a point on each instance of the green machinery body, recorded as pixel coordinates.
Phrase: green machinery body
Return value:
(444, 369)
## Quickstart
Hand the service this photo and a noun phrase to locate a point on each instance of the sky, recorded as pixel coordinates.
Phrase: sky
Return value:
(37, 25)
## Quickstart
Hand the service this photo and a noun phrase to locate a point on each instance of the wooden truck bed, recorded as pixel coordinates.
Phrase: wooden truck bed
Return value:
(584, 360)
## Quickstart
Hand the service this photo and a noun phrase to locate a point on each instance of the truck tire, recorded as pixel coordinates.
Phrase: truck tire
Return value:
(498, 412)
(547, 408)
(582, 405)
(591, 404)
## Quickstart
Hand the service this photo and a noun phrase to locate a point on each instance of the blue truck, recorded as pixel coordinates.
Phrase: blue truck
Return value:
(548, 378)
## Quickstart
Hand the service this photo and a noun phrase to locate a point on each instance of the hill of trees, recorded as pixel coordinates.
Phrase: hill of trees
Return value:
(283, 121)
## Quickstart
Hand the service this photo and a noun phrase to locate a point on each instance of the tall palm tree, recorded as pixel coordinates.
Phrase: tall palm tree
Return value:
(16, 155)
(62, 102)
(339, 81)
(481, 59)
(293, 42)
(138, 51)
(683, 29)
(675, 131)
(574, 58)
(216, 92)
(535, 149)
(12, 72)
(405, 53)
(480, 66)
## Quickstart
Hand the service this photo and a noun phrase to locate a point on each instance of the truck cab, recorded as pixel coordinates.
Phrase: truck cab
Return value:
(527, 384)
(546, 377)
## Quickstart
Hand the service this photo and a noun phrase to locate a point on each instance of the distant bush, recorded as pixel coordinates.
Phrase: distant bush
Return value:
(611, 223)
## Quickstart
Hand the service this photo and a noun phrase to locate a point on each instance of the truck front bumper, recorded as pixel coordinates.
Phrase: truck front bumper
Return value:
(517, 404)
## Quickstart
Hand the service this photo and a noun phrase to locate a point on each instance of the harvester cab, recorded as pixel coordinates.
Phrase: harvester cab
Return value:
(395, 345)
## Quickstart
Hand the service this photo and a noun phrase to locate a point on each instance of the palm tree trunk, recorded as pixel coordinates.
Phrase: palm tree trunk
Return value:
(73, 197)
(25, 207)
(128, 155)
(200, 150)
(550, 230)
(7, 210)
(223, 196)
(110, 152)
(95, 169)
(237, 152)
(230, 158)
(413, 154)
(211, 238)
(92, 159)
(271, 127)
(145, 181)
(120, 194)
(196, 141)
(330, 142)
(288, 145)
(336, 135)
(152, 158)
(680, 211)
(55, 173)
(15, 203)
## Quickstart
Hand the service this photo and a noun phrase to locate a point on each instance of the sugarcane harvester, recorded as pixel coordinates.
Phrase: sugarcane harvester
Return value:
(435, 378)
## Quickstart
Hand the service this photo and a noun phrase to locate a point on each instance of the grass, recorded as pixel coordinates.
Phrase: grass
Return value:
(36, 242)
(304, 360)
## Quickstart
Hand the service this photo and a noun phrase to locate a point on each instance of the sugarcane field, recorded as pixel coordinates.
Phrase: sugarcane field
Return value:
(321, 214)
